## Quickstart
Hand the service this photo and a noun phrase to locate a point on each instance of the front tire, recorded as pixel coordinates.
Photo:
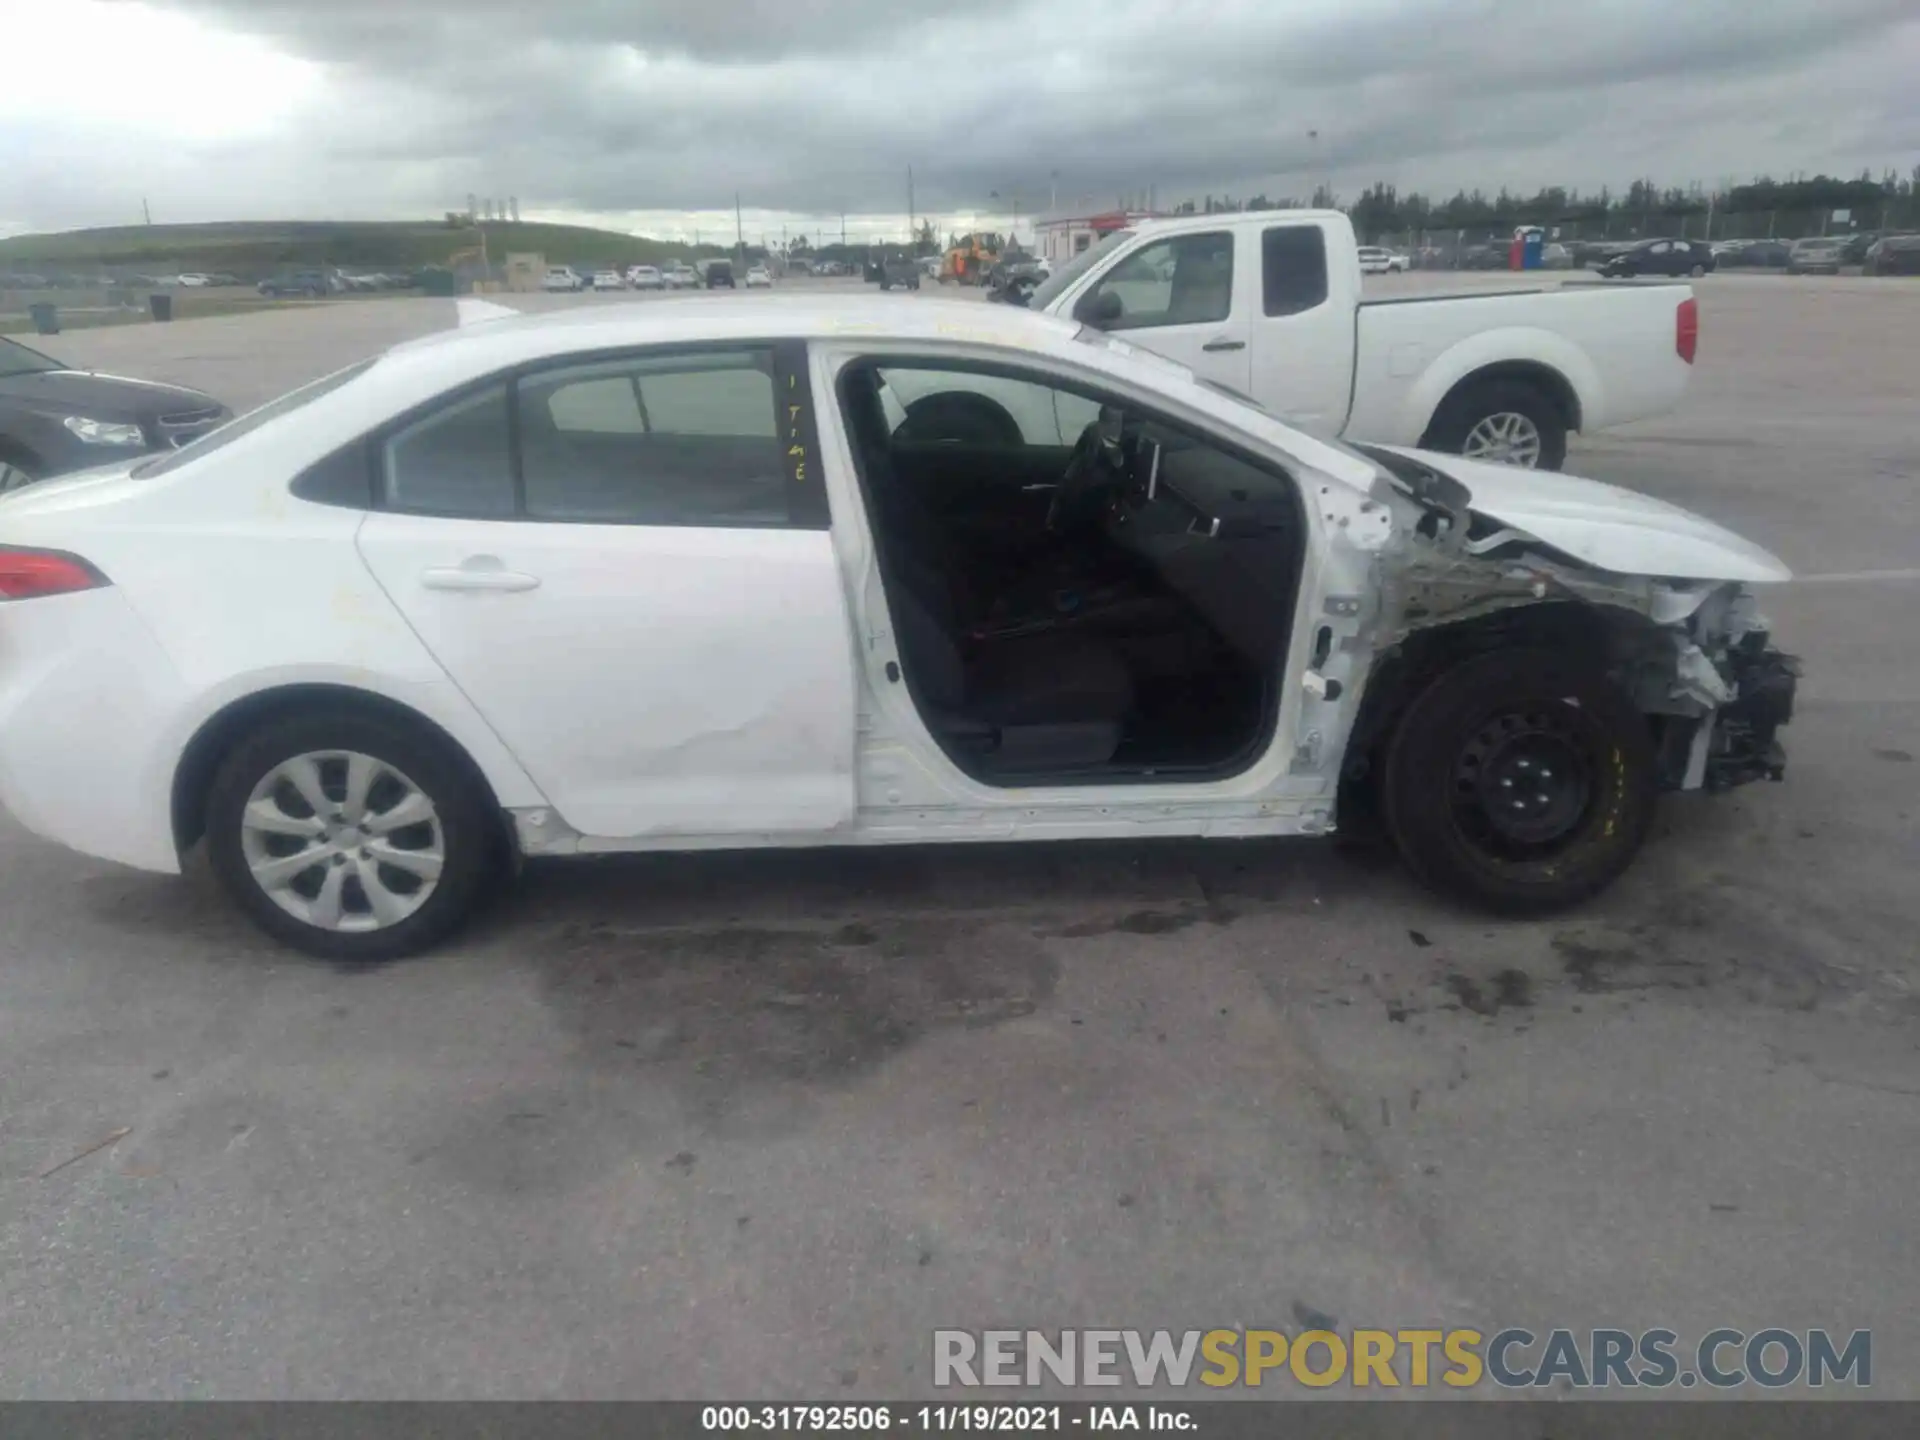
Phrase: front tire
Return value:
(1508, 422)
(350, 835)
(1521, 781)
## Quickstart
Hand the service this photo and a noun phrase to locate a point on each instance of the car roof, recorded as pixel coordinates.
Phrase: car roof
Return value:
(783, 317)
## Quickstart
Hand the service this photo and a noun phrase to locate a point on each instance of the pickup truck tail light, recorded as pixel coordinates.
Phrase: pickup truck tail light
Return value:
(31, 574)
(1686, 330)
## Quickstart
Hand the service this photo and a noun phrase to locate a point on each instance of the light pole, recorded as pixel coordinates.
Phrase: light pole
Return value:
(1013, 232)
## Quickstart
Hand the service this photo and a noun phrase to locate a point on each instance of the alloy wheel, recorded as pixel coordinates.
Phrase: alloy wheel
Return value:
(1506, 438)
(343, 841)
(14, 477)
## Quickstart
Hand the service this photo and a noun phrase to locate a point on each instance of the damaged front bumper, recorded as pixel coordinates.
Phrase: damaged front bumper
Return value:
(1740, 741)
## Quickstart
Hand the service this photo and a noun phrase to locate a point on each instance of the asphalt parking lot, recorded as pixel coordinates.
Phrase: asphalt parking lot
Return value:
(756, 1125)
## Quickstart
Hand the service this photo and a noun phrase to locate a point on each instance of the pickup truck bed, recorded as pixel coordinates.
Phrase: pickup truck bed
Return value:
(1596, 351)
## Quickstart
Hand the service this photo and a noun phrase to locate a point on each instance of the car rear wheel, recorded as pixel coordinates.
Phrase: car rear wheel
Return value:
(1507, 422)
(1521, 781)
(350, 835)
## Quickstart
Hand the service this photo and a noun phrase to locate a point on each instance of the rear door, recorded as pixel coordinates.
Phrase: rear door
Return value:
(625, 562)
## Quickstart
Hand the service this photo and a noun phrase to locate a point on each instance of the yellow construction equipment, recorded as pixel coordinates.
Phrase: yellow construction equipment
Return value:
(968, 262)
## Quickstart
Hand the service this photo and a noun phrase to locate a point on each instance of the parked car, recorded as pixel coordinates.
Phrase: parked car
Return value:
(901, 270)
(681, 276)
(1893, 255)
(1269, 304)
(1554, 256)
(364, 760)
(311, 284)
(1377, 261)
(192, 280)
(54, 419)
(646, 277)
(1854, 247)
(608, 280)
(759, 277)
(1816, 255)
(719, 275)
(1753, 254)
(562, 280)
(1661, 257)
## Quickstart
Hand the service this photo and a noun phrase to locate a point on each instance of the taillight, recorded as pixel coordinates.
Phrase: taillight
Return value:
(30, 574)
(1686, 330)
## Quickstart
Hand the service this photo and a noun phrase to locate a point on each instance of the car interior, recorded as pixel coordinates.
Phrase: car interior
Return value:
(1079, 605)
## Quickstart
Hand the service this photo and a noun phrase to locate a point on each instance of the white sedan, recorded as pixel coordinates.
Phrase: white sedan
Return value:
(746, 573)
(759, 278)
(604, 280)
(1376, 261)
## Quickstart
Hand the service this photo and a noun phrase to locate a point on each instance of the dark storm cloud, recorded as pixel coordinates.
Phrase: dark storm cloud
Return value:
(600, 106)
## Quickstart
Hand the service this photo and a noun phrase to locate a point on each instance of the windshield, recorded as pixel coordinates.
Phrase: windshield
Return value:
(16, 359)
(251, 421)
(1044, 295)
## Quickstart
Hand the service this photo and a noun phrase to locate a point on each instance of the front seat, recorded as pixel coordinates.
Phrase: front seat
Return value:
(1025, 703)
(1032, 702)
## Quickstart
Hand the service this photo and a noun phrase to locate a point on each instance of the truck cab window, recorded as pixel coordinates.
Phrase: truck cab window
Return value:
(1182, 280)
(1293, 268)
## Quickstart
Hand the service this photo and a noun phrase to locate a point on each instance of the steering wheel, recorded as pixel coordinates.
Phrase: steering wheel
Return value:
(1095, 465)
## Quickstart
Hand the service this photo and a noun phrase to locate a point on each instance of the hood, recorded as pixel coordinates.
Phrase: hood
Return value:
(1605, 526)
(102, 397)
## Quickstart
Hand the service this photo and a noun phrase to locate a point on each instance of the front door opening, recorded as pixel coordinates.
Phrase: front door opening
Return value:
(1079, 590)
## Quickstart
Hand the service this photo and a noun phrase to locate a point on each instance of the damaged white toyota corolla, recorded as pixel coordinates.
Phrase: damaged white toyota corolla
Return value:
(781, 572)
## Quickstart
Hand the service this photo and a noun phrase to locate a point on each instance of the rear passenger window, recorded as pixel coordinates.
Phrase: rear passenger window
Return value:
(457, 461)
(1293, 266)
(689, 439)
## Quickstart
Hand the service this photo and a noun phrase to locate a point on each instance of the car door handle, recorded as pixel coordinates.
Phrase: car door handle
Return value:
(1213, 345)
(480, 572)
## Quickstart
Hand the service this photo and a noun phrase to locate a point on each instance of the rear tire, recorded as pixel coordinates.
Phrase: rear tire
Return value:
(1522, 782)
(366, 863)
(1698, 271)
(1478, 415)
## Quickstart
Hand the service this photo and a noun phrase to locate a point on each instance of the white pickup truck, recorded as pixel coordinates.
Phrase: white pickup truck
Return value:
(1268, 303)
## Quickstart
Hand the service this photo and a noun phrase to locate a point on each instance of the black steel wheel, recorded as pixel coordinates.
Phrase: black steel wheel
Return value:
(1522, 781)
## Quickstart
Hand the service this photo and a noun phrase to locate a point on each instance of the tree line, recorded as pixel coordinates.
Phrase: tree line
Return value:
(1762, 207)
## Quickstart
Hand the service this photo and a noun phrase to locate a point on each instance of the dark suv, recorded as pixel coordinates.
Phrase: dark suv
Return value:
(720, 275)
(901, 270)
(1662, 257)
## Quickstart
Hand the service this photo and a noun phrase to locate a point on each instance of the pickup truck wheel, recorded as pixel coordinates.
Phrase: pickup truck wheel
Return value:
(1521, 781)
(1697, 271)
(1507, 422)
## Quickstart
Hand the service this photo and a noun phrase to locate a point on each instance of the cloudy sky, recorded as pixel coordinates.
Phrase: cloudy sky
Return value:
(649, 115)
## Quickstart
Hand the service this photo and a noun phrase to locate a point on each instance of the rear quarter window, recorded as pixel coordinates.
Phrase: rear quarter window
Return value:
(1293, 269)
